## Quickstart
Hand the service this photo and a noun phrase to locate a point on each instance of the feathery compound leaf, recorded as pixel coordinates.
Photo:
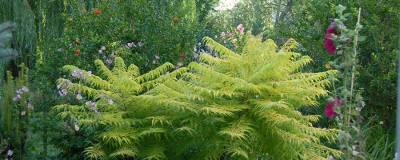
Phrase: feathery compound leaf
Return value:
(95, 152)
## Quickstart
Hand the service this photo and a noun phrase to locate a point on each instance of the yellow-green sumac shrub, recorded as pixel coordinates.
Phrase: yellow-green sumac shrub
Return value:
(231, 106)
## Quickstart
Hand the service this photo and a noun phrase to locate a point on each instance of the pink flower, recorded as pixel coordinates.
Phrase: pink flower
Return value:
(222, 34)
(331, 105)
(329, 44)
(240, 28)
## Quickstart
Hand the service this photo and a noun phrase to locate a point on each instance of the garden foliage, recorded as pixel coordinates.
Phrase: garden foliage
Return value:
(14, 114)
(236, 105)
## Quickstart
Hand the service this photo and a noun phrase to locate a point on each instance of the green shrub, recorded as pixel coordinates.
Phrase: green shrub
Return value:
(236, 106)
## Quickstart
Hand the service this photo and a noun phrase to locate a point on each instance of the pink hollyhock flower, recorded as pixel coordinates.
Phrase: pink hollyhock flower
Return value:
(329, 44)
(330, 107)
(240, 28)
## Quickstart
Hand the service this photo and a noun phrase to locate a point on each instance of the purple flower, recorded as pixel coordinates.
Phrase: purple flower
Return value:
(17, 98)
(77, 73)
(109, 61)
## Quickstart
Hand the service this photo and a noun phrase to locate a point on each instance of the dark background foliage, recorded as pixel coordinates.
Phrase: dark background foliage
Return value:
(49, 34)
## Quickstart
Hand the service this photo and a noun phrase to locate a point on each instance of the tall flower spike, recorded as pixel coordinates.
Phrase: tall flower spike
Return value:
(329, 44)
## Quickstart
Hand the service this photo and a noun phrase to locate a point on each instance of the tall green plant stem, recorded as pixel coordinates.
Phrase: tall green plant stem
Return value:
(357, 29)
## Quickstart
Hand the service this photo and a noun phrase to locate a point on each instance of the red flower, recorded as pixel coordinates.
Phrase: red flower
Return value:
(329, 45)
(77, 52)
(97, 11)
(330, 107)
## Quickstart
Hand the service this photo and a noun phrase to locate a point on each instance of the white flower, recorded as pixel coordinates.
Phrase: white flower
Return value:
(23, 113)
(30, 106)
(63, 92)
(222, 34)
(76, 127)
(381, 122)
(330, 158)
(10, 152)
(19, 91)
(157, 57)
(25, 89)
(110, 101)
(355, 153)
(79, 96)
(92, 106)
(103, 48)
(130, 45)
(140, 44)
